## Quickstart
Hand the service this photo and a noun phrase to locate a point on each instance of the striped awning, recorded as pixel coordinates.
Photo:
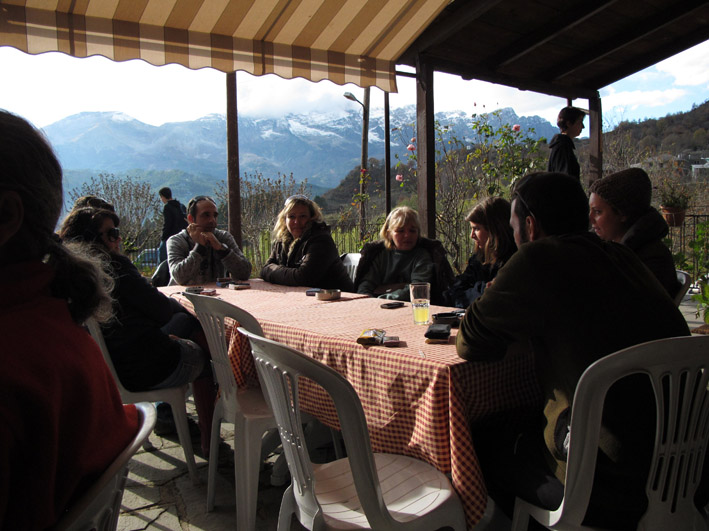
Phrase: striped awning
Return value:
(345, 41)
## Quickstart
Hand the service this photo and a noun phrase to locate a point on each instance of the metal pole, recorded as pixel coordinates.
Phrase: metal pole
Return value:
(363, 164)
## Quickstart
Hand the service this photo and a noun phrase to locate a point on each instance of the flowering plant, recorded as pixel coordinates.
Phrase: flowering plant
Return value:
(673, 193)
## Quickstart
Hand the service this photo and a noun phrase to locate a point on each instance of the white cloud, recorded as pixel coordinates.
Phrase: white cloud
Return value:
(689, 68)
(635, 99)
(49, 87)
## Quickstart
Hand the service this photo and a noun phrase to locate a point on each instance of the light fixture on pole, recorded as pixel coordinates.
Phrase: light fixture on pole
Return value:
(363, 161)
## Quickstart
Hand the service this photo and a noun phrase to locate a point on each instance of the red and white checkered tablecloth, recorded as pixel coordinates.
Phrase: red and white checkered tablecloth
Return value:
(418, 398)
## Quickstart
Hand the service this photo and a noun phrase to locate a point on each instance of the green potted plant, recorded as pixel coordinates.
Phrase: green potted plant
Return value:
(674, 200)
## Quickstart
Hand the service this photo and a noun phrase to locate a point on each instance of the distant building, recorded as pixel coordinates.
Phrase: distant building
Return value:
(700, 172)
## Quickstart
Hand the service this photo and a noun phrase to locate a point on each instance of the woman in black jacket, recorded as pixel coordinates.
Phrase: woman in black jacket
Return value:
(620, 211)
(151, 338)
(304, 253)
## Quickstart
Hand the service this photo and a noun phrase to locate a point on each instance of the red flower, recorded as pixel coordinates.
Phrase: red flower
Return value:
(516, 127)
(399, 177)
(411, 147)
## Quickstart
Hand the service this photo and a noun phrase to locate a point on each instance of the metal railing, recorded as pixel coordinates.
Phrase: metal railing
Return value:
(679, 241)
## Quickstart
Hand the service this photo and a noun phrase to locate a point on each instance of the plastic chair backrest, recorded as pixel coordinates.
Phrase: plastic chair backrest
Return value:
(351, 261)
(211, 313)
(679, 370)
(98, 508)
(685, 281)
(280, 367)
(97, 334)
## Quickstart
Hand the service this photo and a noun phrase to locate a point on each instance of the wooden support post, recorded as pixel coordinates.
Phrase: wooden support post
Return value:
(232, 141)
(426, 153)
(596, 139)
(387, 156)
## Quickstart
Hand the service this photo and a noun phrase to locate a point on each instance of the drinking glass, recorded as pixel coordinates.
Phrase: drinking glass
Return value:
(420, 300)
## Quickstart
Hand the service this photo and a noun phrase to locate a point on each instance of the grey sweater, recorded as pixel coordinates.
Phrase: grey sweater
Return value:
(193, 263)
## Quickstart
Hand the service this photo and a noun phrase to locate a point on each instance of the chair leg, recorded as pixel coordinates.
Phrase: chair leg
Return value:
(183, 432)
(285, 515)
(247, 450)
(520, 518)
(214, 454)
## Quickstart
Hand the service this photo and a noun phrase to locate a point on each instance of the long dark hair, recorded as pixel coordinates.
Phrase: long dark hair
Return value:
(494, 214)
(84, 225)
(29, 168)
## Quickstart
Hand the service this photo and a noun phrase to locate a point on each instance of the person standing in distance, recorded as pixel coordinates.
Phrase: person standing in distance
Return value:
(201, 253)
(175, 219)
(562, 158)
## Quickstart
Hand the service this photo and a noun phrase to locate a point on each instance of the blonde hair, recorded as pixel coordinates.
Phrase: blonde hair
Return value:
(280, 229)
(397, 218)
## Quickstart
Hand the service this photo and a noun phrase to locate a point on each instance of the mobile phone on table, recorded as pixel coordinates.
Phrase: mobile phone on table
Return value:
(194, 289)
(391, 305)
(312, 292)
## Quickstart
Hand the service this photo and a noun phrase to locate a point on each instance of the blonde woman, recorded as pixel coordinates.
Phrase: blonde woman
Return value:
(304, 253)
(402, 256)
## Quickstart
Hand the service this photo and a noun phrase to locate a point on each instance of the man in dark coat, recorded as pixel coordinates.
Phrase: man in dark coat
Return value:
(175, 219)
(571, 298)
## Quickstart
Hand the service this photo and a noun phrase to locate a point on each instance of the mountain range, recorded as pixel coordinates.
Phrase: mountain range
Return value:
(191, 156)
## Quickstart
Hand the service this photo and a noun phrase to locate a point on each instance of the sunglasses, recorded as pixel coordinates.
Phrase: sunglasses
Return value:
(113, 234)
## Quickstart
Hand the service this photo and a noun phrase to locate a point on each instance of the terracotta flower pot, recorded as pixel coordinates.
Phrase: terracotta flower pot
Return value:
(673, 216)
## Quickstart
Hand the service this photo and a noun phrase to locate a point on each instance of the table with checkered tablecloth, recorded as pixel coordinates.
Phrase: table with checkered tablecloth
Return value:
(418, 398)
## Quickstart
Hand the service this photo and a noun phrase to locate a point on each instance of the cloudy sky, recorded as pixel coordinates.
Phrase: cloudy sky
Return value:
(48, 87)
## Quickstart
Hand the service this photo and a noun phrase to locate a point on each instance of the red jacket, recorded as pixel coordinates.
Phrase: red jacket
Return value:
(61, 417)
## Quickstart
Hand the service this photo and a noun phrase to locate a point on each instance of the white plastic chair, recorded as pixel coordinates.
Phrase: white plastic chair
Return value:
(362, 491)
(685, 281)
(175, 396)
(351, 261)
(678, 368)
(99, 507)
(245, 408)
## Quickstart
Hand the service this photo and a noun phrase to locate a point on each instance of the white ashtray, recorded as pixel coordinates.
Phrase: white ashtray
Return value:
(328, 294)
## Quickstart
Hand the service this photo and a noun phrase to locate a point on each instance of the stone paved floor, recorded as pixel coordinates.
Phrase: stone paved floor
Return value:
(159, 494)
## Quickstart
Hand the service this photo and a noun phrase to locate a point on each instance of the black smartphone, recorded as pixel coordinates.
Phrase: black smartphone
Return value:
(312, 292)
(390, 305)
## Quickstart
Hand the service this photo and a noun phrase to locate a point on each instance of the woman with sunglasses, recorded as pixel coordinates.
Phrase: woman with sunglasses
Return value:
(304, 253)
(153, 341)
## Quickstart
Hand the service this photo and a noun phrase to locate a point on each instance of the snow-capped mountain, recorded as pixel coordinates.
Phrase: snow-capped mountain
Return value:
(319, 147)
